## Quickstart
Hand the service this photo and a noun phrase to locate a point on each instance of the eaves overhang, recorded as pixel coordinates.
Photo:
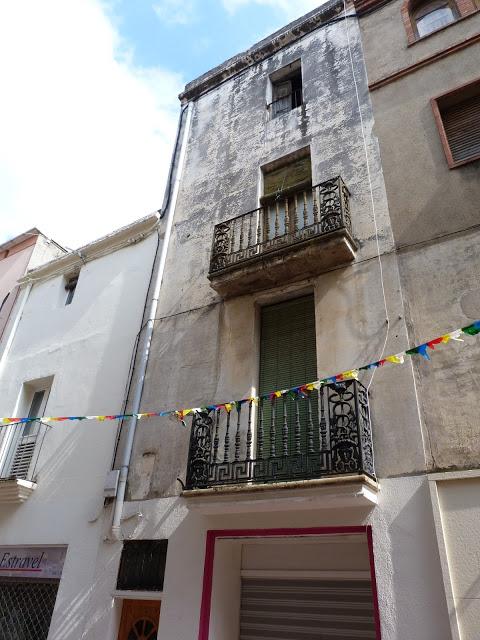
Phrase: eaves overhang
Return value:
(127, 235)
(264, 49)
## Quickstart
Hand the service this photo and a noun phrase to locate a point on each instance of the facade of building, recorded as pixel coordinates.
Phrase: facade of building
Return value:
(17, 256)
(320, 214)
(72, 350)
(422, 61)
(298, 517)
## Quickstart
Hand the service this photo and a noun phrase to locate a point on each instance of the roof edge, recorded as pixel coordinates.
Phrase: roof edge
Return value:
(263, 49)
(109, 243)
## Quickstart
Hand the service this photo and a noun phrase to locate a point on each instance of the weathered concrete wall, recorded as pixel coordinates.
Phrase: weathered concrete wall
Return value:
(426, 199)
(435, 214)
(442, 287)
(386, 48)
(205, 349)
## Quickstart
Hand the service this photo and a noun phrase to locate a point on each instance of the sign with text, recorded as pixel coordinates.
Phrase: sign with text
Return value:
(32, 562)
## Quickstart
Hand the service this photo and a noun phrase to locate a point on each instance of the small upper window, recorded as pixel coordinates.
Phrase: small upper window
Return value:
(70, 286)
(286, 89)
(457, 114)
(431, 16)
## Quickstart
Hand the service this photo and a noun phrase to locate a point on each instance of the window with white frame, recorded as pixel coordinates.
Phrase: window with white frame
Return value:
(21, 441)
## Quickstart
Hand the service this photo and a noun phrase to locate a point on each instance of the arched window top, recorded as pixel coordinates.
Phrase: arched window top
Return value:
(423, 17)
(432, 15)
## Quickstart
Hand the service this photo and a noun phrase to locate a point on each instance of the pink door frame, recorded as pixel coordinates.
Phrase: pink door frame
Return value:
(214, 534)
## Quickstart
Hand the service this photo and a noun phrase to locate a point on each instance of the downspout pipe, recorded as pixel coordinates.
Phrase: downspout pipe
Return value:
(168, 209)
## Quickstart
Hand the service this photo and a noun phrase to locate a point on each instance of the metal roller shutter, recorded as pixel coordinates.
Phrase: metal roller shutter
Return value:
(306, 609)
(462, 128)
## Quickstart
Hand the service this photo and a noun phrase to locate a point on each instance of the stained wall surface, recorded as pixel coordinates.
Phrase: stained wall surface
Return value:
(435, 218)
(205, 349)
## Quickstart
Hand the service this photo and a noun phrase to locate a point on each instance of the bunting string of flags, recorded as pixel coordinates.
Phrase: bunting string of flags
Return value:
(301, 390)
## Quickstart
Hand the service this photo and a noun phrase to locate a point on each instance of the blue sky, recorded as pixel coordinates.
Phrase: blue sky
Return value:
(192, 37)
(90, 106)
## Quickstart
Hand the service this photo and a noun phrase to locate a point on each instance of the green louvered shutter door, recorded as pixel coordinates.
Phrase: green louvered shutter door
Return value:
(288, 357)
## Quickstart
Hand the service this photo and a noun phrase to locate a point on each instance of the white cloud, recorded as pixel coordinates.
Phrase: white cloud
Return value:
(174, 12)
(86, 136)
(291, 10)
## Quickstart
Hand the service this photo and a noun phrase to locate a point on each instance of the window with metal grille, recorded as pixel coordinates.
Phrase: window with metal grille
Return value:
(286, 89)
(142, 565)
(26, 609)
(457, 115)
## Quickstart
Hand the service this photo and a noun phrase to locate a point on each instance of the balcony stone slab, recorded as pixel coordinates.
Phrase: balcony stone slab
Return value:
(285, 264)
(339, 492)
(15, 490)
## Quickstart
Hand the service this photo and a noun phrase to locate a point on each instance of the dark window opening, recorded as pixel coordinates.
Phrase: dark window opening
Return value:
(287, 90)
(142, 565)
(70, 287)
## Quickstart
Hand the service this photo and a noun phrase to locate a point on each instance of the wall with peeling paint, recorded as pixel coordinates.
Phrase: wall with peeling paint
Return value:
(205, 348)
(435, 216)
(231, 137)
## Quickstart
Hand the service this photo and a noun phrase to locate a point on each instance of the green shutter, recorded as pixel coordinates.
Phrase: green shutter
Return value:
(295, 173)
(288, 357)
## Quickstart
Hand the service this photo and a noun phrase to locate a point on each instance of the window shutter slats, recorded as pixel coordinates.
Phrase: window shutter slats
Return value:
(288, 354)
(288, 357)
(306, 609)
(462, 128)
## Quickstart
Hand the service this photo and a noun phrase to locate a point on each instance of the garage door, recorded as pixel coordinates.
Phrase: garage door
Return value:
(300, 609)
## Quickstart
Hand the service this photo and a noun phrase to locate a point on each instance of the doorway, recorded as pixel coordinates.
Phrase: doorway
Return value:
(139, 620)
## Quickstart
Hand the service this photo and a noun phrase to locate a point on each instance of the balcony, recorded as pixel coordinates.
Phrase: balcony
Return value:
(292, 441)
(296, 235)
(20, 446)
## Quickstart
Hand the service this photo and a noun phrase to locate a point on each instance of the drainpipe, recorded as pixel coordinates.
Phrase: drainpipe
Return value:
(168, 209)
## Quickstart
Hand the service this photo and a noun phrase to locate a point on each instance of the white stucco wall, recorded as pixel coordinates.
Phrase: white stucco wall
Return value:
(408, 570)
(86, 346)
(456, 509)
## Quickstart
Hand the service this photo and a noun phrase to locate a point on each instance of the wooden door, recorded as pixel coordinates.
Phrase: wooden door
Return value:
(139, 620)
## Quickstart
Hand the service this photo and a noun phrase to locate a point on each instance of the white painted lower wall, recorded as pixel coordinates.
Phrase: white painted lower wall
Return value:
(412, 599)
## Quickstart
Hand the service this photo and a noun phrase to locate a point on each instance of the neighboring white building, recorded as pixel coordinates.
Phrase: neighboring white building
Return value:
(17, 255)
(71, 353)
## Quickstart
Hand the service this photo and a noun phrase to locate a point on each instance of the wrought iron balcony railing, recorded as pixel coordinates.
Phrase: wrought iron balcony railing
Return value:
(286, 220)
(20, 446)
(290, 438)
